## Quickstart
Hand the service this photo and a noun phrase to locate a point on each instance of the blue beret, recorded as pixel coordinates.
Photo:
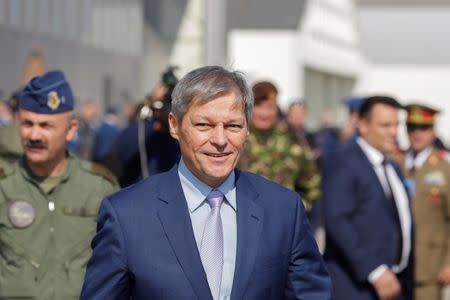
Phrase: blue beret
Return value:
(49, 93)
(353, 104)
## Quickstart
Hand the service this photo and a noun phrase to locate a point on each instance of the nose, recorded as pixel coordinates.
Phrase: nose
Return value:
(34, 133)
(218, 136)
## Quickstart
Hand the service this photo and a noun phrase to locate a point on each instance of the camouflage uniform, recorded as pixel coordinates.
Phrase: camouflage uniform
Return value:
(45, 231)
(277, 155)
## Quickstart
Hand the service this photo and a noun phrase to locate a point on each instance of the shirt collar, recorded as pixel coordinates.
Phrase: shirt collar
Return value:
(374, 155)
(420, 158)
(196, 190)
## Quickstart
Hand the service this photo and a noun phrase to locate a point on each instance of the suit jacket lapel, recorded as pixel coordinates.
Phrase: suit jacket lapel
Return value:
(249, 225)
(371, 172)
(174, 216)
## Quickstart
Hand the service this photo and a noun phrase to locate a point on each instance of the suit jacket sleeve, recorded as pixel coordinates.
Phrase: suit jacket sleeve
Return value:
(342, 203)
(307, 276)
(106, 275)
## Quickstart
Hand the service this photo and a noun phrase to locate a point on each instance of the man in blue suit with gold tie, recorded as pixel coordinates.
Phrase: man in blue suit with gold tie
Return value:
(205, 230)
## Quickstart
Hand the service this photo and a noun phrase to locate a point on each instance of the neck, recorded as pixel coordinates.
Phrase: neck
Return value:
(54, 168)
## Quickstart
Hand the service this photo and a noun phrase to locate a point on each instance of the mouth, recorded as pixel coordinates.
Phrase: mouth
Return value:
(35, 148)
(217, 155)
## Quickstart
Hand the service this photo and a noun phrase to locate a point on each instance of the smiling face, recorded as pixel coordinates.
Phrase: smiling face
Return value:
(420, 137)
(265, 113)
(211, 137)
(44, 136)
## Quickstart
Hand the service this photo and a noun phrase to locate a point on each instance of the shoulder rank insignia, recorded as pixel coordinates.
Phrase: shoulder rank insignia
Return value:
(104, 172)
(445, 155)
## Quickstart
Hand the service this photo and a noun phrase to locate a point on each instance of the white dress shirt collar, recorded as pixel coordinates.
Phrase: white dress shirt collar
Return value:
(374, 155)
(419, 160)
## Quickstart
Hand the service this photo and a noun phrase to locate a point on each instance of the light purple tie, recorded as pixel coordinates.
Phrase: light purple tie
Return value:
(211, 249)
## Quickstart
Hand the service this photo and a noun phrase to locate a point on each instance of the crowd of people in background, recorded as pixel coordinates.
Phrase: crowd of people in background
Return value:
(385, 210)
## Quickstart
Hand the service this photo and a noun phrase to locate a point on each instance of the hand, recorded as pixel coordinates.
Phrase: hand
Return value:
(444, 275)
(387, 286)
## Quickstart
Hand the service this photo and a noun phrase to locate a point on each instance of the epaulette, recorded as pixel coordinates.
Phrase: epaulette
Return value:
(6, 169)
(445, 155)
(100, 170)
(398, 156)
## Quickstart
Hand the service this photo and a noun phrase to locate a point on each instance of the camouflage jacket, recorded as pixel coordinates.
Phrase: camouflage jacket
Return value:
(278, 156)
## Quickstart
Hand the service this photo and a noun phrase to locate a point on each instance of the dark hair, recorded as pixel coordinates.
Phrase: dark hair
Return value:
(262, 90)
(366, 108)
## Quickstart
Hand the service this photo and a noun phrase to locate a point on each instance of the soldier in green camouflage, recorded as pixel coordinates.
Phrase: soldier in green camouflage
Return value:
(274, 152)
(48, 200)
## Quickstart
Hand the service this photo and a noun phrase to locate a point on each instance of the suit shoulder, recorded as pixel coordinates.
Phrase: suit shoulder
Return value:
(98, 170)
(266, 187)
(148, 188)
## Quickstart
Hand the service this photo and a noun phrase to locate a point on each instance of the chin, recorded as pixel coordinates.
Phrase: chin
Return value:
(35, 159)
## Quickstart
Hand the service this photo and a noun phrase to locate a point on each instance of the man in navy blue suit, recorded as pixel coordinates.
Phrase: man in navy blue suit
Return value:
(367, 212)
(204, 230)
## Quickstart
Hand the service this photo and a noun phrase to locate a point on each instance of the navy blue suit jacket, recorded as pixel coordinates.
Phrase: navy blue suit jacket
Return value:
(145, 245)
(360, 223)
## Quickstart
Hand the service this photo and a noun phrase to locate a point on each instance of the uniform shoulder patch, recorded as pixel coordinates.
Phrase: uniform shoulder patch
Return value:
(6, 169)
(399, 157)
(445, 155)
(100, 170)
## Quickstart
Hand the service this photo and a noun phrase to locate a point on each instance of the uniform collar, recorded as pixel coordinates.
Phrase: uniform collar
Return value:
(27, 173)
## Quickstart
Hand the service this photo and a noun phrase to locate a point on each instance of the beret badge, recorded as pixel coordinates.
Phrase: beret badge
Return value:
(53, 100)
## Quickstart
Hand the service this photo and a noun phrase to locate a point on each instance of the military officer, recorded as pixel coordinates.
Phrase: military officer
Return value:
(428, 179)
(273, 151)
(48, 199)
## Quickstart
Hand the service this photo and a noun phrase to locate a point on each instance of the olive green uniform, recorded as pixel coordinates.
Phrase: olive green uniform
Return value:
(431, 206)
(10, 145)
(47, 258)
(277, 155)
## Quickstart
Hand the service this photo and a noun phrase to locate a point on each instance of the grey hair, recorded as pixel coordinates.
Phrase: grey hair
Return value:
(207, 83)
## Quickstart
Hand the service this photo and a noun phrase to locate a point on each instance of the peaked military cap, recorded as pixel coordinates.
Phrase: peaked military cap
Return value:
(418, 114)
(49, 93)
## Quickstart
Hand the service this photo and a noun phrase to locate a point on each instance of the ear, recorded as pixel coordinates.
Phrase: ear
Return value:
(173, 126)
(73, 127)
(362, 127)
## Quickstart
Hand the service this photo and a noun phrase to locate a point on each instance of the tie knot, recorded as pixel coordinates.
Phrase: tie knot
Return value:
(215, 198)
(385, 161)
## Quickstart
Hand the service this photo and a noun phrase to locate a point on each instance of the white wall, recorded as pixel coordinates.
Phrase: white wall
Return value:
(426, 84)
(329, 39)
(267, 55)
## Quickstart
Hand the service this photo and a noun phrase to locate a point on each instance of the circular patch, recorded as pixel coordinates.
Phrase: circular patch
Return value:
(21, 214)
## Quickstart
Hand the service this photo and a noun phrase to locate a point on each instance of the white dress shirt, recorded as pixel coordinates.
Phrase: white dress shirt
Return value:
(401, 200)
(418, 160)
